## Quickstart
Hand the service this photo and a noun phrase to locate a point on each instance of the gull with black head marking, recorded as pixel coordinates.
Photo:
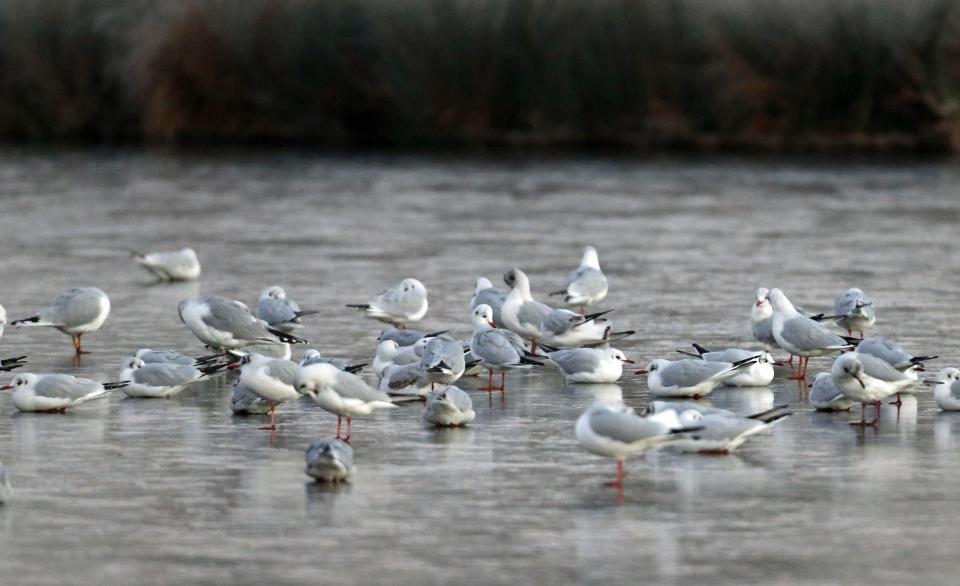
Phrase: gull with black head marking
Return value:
(273, 379)
(801, 335)
(690, 377)
(587, 285)
(225, 324)
(854, 311)
(55, 393)
(279, 311)
(521, 313)
(867, 379)
(498, 350)
(340, 393)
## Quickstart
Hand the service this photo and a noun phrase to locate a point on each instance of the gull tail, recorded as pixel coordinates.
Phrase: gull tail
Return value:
(700, 349)
(355, 368)
(435, 334)
(851, 341)
(525, 360)
(287, 338)
(546, 347)
(363, 306)
(14, 360)
(201, 360)
(915, 360)
(299, 314)
(555, 293)
(440, 367)
(213, 369)
(612, 337)
(777, 413)
(471, 364)
(690, 429)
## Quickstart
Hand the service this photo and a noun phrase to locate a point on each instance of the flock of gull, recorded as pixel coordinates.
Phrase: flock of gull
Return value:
(511, 331)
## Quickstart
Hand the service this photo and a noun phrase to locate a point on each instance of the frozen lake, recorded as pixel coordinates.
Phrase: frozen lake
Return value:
(127, 491)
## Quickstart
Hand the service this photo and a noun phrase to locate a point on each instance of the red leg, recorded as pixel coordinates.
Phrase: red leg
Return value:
(338, 426)
(349, 420)
(583, 310)
(618, 483)
(273, 418)
(503, 381)
(76, 345)
(861, 334)
(898, 402)
(489, 387)
(800, 373)
(533, 346)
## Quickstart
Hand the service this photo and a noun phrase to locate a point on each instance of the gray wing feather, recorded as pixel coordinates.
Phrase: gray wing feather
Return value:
(559, 321)
(277, 311)
(167, 357)
(805, 333)
(495, 347)
(283, 370)
(687, 373)
(165, 375)
(729, 355)
(63, 386)
(625, 427)
(576, 360)
(585, 281)
(228, 316)
(886, 350)
(397, 301)
(353, 387)
(955, 389)
(532, 313)
(401, 377)
(74, 307)
(460, 399)
(763, 331)
(879, 368)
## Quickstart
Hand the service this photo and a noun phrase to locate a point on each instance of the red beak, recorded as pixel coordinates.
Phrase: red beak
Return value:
(642, 371)
(6, 388)
(759, 302)
(628, 361)
(492, 325)
(233, 366)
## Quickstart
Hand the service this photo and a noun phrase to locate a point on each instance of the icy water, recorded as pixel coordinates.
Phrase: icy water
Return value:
(128, 491)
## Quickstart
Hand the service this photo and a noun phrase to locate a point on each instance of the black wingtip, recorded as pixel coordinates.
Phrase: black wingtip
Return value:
(27, 320)
(111, 386)
(700, 349)
(555, 293)
(288, 338)
(7, 361)
(525, 360)
(914, 360)
(546, 347)
(299, 314)
(435, 334)
(359, 306)
(9, 367)
(685, 429)
(773, 414)
(747, 361)
(213, 369)
(355, 368)
(851, 341)
(471, 364)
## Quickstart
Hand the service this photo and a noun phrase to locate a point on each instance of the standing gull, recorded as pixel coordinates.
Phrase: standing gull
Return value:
(894, 355)
(586, 285)
(801, 335)
(340, 393)
(402, 304)
(616, 431)
(3, 319)
(272, 379)
(279, 311)
(225, 324)
(177, 265)
(521, 313)
(76, 312)
(54, 393)
(867, 379)
(853, 311)
(497, 350)
(722, 431)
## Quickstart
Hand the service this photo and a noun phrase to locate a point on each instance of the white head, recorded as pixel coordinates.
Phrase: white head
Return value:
(274, 292)
(314, 379)
(690, 418)
(847, 367)
(311, 354)
(189, 251)
(947, 376)
(617, 355)
(132, 363)
(766, 358)
(482, 318)
(24, 379)
(654, 366)
(386, 350)
(3, 317)
(483, 283)
(780, 302)
(411, 286)
(142, 352)
(761, 308)
(590, 258)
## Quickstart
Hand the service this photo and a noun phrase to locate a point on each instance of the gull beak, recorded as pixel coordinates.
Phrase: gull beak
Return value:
(642, 371)
(492, 325)
(6, 388)
(628, 361)
(860, 380)
(759, 302)
(233, 366)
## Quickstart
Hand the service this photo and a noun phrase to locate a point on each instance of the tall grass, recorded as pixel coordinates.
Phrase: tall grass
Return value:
(685, 73)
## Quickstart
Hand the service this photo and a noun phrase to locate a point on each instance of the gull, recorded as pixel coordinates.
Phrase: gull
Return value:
(162, 380)
(329, 460)
(340, 393)
(243, 401)
(497, 350)
(3, 319)
(586, 285)
(757, 374)
(521, 313)
(442, 363)
(76, 312)
(867, 379)
(825, 396)
(563, 328)
(279, 311)
(946, 389)
(588, 365)
(722, 431)
(689, 377)
(406, 380)
(402, 304)
(486, 294)
(405, 337)
(801, 335)
(272, 379)
(449, 407)
(6, 490)
(390, 354)
(854, 311)
(761, 320)
(313, 356)
(894, 355)
(54, 393)
(177, 265)
(616, 431)
(225, 324)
